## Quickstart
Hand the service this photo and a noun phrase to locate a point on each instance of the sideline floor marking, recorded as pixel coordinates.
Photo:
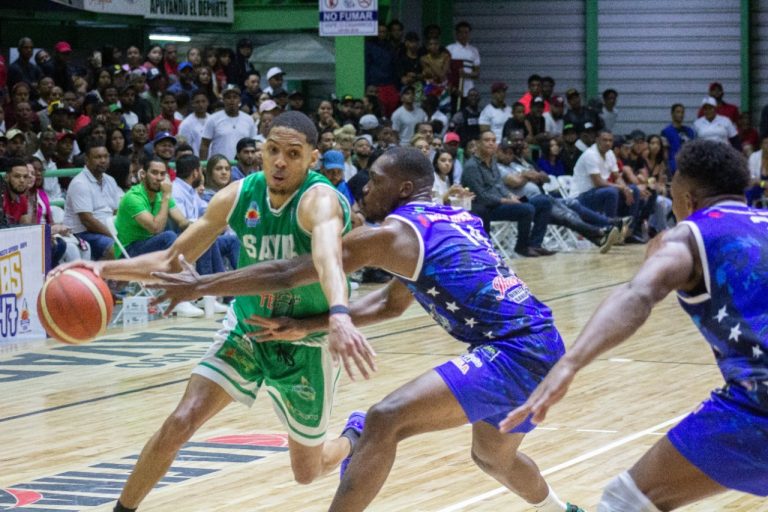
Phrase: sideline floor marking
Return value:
(577, 460)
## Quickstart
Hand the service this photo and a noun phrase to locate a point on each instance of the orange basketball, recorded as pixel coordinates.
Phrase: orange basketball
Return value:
(75, 306)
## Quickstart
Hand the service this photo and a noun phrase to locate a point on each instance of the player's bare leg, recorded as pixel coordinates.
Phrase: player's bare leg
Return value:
(669, 480)
(423, 405)
(497, 454)
(202, 400)
(310, 462)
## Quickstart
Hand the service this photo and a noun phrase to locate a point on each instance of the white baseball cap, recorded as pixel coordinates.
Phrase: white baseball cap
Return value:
(274, 72)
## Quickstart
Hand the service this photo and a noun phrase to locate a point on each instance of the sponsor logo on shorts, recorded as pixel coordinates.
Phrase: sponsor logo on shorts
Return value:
(463, 361)
(304, 390)
(510, 287)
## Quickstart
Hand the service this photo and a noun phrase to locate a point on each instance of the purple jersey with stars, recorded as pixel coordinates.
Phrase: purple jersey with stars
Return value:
(464, 284)
(731, 314)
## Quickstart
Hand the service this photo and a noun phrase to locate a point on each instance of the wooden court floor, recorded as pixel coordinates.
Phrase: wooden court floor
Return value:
(73, 419)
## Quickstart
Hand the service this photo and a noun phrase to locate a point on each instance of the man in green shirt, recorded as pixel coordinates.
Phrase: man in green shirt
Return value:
(283, 212)
(143, 214)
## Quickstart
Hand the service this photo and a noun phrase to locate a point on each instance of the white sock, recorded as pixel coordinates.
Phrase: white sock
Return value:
(551, 503)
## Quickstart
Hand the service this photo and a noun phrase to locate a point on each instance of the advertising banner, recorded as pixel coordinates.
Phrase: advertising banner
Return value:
(349, 18)
(216, 11)
(23, 265)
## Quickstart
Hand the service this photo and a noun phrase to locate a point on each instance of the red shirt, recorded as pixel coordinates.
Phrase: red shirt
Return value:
(14, 210)
(153, 126)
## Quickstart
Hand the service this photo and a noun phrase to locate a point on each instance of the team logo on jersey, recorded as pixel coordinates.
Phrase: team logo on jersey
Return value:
(517, 289)
(252, 215)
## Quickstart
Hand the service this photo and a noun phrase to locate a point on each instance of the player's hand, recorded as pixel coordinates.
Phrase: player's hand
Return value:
(349, 345)
(178, 287)
(93, 266)
(278, 328)
(548, 393)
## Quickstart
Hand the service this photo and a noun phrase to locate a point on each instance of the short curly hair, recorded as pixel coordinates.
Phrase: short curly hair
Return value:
(715, 167)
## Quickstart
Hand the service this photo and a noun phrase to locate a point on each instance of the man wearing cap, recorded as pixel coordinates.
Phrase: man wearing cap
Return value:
(275, 77)
(332, 167)
(721, 107)
(17, 143)
(496, 113)
(156, 82)
(92, 198)
(713, 126)
(168, 106)
(62, 72)
(163, 146)
(191, 128)
(451, 142)
(268, 110)
(407, 116)
(128, 102)
(280, 96)
(577, 114)
(553, 120)
(587, 137)
(22, 69)
(224, 128)
(362, 159)
(676, 134)
(186, 81)
(246, 159)
(369, 124)
(296, 101)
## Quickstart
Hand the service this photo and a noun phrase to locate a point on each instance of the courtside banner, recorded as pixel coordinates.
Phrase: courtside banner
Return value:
(349, 18)
(24, 260)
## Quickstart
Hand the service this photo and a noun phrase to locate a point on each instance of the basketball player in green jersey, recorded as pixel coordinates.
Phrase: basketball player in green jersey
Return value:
(282, 212)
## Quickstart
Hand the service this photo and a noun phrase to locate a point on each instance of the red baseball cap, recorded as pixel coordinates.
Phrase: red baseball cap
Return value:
(715, 85)
(451, 137)
(62, 47)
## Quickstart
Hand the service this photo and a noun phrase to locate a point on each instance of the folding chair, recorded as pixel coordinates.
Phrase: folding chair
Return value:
(504, 235)
(566, 185)
(143, 290)
(558, 238)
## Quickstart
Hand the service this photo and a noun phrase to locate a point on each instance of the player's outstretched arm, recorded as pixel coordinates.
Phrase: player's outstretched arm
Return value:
(672, 263)
(192, 243)
(382, 304)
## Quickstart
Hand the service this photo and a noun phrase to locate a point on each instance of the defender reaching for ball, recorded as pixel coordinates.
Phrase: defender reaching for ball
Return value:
(283, 212)
(717, 260)
(444, 259)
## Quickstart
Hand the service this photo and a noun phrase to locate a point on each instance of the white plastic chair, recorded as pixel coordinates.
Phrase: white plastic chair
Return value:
(143, 290)
(504, 235)
(566, 185)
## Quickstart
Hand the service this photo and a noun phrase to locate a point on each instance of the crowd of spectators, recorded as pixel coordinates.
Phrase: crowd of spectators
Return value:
(157, 134)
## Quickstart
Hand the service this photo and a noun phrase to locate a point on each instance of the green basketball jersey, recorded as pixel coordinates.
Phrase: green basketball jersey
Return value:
(266, 234)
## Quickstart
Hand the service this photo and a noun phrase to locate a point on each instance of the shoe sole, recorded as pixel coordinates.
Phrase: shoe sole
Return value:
(613, 237)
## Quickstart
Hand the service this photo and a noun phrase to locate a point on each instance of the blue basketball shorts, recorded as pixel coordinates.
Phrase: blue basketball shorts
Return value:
(493, 378)
(726, 437)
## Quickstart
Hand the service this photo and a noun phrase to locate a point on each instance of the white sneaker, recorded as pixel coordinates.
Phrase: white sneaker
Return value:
(188, 310)
(218, 307)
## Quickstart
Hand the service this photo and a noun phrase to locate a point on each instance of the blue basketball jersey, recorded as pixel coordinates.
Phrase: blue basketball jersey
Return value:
(732, 313)
(464, 284)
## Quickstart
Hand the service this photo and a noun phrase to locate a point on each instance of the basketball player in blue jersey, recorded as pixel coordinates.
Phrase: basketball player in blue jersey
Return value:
(717, 261)
(443, 258)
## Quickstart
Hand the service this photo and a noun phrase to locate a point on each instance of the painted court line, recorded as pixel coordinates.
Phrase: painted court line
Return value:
(577, 460)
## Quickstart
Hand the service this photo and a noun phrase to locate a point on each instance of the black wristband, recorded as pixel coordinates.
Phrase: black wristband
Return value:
(338, 310)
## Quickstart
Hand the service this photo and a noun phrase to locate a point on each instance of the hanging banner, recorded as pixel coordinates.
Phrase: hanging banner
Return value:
(349, 18)
(216, 11)
(23, 266)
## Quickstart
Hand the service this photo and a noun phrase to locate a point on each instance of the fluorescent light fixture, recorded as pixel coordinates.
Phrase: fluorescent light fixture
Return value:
(169, 37)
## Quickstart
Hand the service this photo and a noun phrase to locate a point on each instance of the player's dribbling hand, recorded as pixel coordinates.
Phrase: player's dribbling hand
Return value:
(178, 287)
(548, 393)
(93, 266)
(277, 328)
(349, 345)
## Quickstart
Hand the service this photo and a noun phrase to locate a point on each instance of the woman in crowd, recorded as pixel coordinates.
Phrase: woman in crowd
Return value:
(656, 175)
(421, 143)
(154, 58)
(444, 190)
(206, 81)
(116, 143)
(550, 161)
(195, 57)
(133, 58)
(218, 174)
(43, 214)
(325, 117)
(121, 169)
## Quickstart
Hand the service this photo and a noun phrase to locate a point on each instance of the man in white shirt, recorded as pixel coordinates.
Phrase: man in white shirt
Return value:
(553, 120)
(713, 126)
(407, 116)
(275, 77)
(462, 51)
(191, 128)
(598, 185)
(496, 113)
(224, 128)
(92, 199)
